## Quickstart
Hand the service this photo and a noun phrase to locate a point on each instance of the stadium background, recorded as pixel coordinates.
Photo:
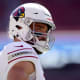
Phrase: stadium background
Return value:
(62, 62)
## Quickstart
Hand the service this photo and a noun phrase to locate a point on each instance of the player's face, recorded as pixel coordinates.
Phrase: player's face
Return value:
(41, 28)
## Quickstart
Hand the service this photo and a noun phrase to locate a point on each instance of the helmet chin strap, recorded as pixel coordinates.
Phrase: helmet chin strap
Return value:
(41, 45)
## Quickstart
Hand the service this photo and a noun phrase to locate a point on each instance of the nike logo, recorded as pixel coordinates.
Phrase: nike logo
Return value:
(19, 46)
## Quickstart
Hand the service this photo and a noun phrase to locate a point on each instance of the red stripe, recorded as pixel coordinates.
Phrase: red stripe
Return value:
(49, 19)
(22, 57)
(19, 50)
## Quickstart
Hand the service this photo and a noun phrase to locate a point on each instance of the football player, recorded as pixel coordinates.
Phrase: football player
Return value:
(30, 27)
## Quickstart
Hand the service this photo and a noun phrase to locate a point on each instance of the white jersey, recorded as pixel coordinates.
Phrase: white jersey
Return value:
(19, 51)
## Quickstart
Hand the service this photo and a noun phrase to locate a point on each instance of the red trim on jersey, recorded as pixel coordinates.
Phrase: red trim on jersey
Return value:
(19, 46)
(19, 50)
(22, 57)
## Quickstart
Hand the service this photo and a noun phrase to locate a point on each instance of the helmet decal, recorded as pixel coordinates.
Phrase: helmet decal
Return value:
(19, 13)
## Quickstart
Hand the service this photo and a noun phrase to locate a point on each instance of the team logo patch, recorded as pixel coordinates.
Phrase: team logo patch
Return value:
(19, 13)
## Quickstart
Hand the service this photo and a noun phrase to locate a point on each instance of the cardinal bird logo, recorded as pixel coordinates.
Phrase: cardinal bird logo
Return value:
(19, 13)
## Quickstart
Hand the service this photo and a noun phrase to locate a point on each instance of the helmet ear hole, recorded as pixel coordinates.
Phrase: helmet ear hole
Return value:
(18, 27)
(16, 18)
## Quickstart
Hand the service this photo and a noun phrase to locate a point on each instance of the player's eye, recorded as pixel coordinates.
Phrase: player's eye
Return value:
(18, 27)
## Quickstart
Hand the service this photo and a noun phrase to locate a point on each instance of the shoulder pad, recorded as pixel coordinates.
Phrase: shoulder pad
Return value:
(17, 46)
(16, 50)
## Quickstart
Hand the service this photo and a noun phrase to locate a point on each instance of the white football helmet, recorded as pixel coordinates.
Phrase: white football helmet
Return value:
(21, 19)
